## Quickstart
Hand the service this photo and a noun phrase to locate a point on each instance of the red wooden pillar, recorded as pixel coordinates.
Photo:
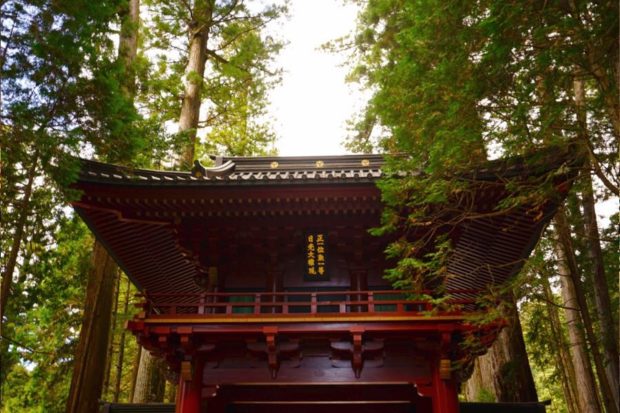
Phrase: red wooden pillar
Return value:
(189, 392)
(445, 393)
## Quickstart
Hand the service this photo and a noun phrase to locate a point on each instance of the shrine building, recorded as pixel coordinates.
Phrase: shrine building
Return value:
(264, 291)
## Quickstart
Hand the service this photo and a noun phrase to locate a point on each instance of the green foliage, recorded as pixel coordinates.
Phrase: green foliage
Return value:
(541, 337)
(61, 96)
(60, 81)
(238, 75)
(485, 396)
(542, 352)
(65, 92)
(121, 337)
(452, 82)
(455, 83)
(45, 315)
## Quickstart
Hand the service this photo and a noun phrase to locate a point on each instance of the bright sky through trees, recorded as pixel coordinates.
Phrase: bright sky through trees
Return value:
(313, 103)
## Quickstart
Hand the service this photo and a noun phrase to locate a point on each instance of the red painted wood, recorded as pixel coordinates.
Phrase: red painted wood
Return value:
(319, 398)
(189, 393)
(282, 302)
(445, 393)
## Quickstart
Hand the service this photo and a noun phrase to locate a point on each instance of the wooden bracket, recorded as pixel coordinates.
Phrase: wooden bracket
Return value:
(445, 362)
(186, 371)
(162, 342)
(272, 352)
(357, 358)
(185, 339)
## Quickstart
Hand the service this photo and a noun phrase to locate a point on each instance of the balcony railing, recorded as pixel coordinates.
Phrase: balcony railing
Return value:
(388, 302)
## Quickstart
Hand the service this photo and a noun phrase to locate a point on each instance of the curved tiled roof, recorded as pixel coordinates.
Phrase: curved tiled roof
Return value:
(134, 211)
(347, 169)
(247, 170)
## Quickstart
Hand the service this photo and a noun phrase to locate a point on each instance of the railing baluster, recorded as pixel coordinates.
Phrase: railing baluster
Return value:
(392, 301)
(256, 303)
(201, 305)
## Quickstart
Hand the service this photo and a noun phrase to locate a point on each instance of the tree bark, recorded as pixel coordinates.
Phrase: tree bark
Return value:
(575, 296)
(563, 358)
(171, 392)
(587, 400)
(128, 44)
(121, 348)
(150, 380)
(599, 281)
(87, 380)
(504, 372)
(194, 75)
(134, 372)
(601, 290)
(110, 357)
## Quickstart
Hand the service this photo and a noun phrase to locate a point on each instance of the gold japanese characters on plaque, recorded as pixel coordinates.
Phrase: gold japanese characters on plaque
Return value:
(316, 256)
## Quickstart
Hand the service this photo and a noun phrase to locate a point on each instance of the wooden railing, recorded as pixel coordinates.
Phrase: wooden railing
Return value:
(323, 302)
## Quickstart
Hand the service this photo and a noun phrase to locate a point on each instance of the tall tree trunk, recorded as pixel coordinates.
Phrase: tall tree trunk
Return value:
(504, 372)
(134, 373)
(601, 291)
(599, 281)
(110, 357)
(24, 212)
(563, 358)
(568, 254)
(586, 399)
(87, 379)
(171, 392)
(150, 380)
(128, 44)
(194, 75)
(121, 348)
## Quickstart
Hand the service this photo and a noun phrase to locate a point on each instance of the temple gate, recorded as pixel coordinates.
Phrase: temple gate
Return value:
(263, 289)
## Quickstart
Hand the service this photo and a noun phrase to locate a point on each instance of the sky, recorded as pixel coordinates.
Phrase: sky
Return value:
(312, 105)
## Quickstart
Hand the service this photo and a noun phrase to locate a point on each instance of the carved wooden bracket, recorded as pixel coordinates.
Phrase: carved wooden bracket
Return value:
(357, 359)
(358, 352)
(185, 339)
(162, 342)
(275, 352)
(186, 371)
(445, 362)
(272, 354)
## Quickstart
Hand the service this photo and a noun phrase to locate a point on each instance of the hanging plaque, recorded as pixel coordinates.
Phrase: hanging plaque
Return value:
(316, 256)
